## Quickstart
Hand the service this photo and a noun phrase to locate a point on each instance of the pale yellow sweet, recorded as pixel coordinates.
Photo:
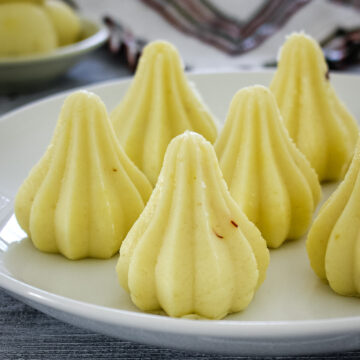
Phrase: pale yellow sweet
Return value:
(160, 104)
(333, 243)
(37, 2)
(267, 175)
(316, 119)
(65, 20)
(192, 252)
(25, 29)
(83, 196)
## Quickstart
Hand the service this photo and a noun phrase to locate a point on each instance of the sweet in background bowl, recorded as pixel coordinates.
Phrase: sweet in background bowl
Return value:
(26, 72)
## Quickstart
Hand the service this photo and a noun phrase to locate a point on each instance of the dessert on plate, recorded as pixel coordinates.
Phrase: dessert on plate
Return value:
(160, 104)
(83, 196)
(270, 179)
(333, 241)
(192, 252)
(319, 123)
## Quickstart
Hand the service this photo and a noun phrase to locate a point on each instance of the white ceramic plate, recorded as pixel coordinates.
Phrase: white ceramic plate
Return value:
(292, 313)
(26, 72)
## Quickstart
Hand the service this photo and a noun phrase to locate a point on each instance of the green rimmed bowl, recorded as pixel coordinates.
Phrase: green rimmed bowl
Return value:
(24, 73)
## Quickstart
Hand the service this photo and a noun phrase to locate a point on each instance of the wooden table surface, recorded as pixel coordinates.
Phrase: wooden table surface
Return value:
(26, 333)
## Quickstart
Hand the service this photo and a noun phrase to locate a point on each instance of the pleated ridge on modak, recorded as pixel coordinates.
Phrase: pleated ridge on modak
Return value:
(267, 175)
(83, 196)
(318, 122)
(192, 252)
(159, 105)
(334, 239)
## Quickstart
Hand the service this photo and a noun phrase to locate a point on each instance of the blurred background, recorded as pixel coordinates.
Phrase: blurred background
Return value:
(104, 39)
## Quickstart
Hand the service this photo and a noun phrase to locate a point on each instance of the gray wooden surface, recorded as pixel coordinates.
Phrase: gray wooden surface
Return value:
(26, 333)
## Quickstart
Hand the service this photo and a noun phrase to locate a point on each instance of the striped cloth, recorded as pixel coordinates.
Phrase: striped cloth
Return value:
(205, 21)
(224, 34)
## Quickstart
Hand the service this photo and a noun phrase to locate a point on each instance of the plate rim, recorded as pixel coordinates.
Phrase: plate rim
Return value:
(146, 321)
(231, 329)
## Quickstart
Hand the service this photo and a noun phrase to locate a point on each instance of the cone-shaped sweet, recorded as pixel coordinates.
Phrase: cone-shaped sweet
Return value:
(25, 29)
(333, 242)
(267, 175)
(160, 104)
(83, 196)
(316, 119)
(192, 250)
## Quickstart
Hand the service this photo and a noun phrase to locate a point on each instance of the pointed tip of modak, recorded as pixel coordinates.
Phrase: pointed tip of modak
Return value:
(158, 47)
(82, 94)
(83, 107)
(301, 42)
(299, 36)
(190, 140)
(157, 56)
(256, 92)
(189, 136)
(82, 97)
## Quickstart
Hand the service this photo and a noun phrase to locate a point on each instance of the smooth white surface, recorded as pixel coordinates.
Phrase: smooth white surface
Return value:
(292, 313)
